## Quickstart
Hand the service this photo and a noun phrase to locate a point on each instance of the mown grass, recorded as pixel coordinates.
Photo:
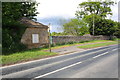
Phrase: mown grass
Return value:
(97, 45)
(24, 56)
(40, 53)
(77, 43)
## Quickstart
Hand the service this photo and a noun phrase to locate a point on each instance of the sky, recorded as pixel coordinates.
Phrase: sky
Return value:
(56, 11)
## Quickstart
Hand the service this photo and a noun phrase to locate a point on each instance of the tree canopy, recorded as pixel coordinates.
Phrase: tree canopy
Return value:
(75, 27)
(117, 29)
(12, 11)
(97, 7)
(12, 29)
(94, 13)
(103, 27)
(58, 34)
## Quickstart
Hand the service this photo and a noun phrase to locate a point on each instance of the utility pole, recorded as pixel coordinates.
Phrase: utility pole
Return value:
(93, 25)
(49, 38)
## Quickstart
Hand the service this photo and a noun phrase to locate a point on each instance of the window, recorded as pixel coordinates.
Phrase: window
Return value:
(35, 38)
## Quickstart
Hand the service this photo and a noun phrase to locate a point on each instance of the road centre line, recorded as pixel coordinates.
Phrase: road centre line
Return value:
(104, 53)
(56, 63)
(57, 70)
(37, 60)
(44, 59)
(100, 55)
(45, 66)
(114, 49)
(66, 67)
(47, 58)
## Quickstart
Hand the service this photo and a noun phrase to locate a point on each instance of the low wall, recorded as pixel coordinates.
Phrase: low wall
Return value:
(66, 39)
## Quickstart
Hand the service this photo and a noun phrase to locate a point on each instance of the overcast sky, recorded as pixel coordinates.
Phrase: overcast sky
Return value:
(54, 11)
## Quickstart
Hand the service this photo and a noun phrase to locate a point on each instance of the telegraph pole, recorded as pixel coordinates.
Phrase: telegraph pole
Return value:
(93, 25)
(49, 38)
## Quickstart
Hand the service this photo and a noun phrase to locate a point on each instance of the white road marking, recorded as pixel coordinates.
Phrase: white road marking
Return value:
(57, 70)
(57, 63)
(43, 59)
(100, 55)
(103, 53)
(45, 66)
(65, 60)
(67, 66)
(114, 49)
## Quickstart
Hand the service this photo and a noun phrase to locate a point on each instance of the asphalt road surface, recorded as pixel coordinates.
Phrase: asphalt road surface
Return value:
(95, 63)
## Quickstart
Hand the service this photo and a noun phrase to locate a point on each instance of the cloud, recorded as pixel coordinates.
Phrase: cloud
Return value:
(64, 8)
(51, 11)
(55, 21)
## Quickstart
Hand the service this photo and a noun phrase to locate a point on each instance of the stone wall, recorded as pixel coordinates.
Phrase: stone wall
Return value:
(66, 39)
(27, 37)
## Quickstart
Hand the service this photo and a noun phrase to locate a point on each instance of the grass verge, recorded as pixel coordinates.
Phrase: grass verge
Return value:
(77, 43)
(97, 45)
(24, 56)
(40, 53)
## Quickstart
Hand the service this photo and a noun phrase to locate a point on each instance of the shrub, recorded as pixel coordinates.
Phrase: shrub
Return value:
(15, 47)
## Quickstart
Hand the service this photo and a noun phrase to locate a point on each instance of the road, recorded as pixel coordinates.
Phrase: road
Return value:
(95, 63)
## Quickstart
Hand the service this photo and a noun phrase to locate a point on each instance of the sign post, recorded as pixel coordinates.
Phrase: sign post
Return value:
(49, 39)
(93, 25)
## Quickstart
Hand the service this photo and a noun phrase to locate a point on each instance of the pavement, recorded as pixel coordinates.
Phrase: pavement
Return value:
(71, 49)
(96, 63)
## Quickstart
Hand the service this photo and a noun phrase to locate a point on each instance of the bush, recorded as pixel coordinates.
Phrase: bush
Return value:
(117, 32)
(84, 41)
(103, 27)
(15, 47)
(11, 38)
(71, 42)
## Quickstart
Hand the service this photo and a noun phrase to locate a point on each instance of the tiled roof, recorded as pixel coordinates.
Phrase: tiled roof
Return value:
(31, 23)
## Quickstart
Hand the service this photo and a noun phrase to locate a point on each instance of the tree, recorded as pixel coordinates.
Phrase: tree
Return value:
(117, 29)
(58, 34)
(12, 11)
(75, 27)
(102, 27)
(93, 13)
(12, 29)
(53, 33)
(99, 8)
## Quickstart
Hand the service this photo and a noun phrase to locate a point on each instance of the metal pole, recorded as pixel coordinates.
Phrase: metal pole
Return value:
(49, 39)
(93, 25)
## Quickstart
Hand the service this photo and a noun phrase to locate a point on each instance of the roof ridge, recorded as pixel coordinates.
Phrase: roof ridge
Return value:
(31, 23)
